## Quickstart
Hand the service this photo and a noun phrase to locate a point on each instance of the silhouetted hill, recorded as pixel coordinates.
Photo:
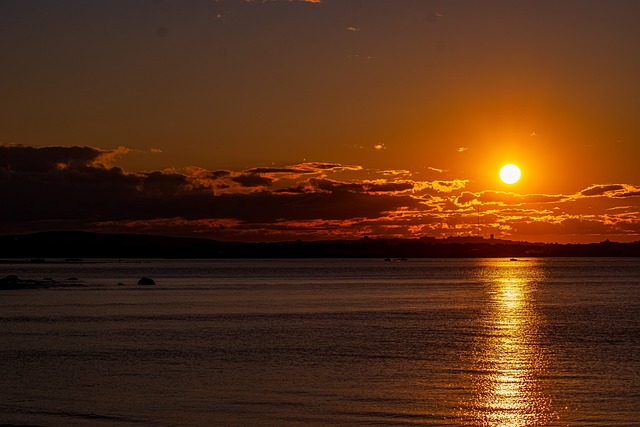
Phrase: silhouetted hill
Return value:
(76, 244)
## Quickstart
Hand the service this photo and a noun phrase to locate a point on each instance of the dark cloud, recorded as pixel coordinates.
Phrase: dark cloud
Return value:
(324, 165)
(466, 198)
(600, 190)
(35, 188)
(19, 158)
(502, 198)
(361, 186)
(219, 174)
(280, 170)
(166, 184)
(66, 183)
(319, 166)
(252, 180)
(544, 198)
(271, 207)
(309, 168)
(293, 190)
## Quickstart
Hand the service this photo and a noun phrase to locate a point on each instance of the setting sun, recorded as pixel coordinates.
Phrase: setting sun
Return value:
(510, 174)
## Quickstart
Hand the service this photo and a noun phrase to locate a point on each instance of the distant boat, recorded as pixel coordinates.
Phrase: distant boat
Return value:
(513, 259)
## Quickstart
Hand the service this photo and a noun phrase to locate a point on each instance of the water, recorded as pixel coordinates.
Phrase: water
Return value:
(533, 342)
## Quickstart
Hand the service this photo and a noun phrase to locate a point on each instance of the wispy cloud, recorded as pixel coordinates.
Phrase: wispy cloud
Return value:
(611, 190)
(601, 190)
(437, 169)
(394, 172)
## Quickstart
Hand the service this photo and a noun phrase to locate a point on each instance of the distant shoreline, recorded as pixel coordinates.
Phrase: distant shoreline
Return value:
(75, 246)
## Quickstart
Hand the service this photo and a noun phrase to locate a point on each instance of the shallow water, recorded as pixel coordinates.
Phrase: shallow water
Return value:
(324, 342)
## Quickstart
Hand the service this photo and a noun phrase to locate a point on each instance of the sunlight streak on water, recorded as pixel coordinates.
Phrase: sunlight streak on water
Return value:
(509, 358)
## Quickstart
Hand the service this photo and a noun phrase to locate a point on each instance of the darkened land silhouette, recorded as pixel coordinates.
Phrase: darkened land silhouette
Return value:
(14, 282)
(72, 246)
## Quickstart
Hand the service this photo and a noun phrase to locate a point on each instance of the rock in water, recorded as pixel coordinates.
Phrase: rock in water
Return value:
(146, 281)
(12, 278)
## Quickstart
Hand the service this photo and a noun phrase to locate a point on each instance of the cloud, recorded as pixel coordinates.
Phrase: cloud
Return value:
(80, 188)
(449, 186)
(107, 158)
(353, 29)
(394, 172)
(462, 149)
(437, 170)
(380, 186)
(501, 198)
(280, 170)
(601, 190)
(30, 159)
(84, 193)
(611, 190)
(252, 180)
(198, 178)
(380, 147)
(335, 167)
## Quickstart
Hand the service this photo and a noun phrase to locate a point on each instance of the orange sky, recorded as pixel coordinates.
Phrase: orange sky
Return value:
(279, 120)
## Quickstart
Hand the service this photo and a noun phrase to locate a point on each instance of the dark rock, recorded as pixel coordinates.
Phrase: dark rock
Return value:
(12, 282)
(146, 281)
(12, 278)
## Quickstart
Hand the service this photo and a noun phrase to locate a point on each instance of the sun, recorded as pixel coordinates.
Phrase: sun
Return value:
(510, 174)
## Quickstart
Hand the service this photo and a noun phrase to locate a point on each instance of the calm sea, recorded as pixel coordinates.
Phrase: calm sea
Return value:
(487, 342)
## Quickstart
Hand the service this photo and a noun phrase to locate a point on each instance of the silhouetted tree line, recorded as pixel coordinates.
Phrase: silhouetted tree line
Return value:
(74, 245)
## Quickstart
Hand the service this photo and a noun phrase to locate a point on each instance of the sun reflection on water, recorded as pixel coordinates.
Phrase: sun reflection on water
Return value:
(509, 359)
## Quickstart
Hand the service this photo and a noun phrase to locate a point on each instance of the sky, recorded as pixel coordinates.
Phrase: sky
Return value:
(272, 120)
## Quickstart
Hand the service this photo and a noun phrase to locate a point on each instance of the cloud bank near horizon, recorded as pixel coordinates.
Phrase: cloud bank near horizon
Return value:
(82, 188)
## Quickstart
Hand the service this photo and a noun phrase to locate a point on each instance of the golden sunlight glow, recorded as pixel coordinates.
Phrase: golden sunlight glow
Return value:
(510, 174)
(510, 359)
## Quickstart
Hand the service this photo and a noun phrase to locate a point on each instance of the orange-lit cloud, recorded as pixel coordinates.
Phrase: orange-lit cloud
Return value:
(81, 188)
(437, 170)
(611, 190)
(109, 157)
